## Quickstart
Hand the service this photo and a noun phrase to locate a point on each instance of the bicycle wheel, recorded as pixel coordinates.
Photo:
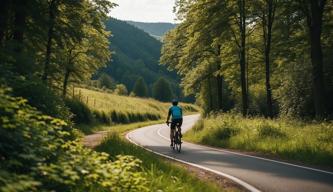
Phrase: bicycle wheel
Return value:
(178, 143)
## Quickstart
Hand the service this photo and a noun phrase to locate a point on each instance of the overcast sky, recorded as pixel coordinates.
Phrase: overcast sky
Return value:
(144, 10)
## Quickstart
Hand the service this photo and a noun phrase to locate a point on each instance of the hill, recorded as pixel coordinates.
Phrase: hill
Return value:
(156, 30)
(131, 109)
(136, 54)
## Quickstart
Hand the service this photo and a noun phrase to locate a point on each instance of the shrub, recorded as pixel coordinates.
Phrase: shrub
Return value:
(121, 89)
(38, 154)
(225, 133)
(41, 97)
(266, 130)
(82, 113)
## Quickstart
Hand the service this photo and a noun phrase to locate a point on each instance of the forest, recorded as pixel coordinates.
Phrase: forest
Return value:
(44, 47)
(136, 55)
(260, 58)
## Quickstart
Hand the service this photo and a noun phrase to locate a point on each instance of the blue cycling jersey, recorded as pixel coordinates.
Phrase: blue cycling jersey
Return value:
(176, 112)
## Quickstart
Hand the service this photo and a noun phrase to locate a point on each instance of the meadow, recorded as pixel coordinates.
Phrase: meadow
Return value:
(301, 141)
(113, 108)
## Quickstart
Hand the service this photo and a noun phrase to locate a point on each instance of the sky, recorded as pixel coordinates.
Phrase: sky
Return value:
(144, 10)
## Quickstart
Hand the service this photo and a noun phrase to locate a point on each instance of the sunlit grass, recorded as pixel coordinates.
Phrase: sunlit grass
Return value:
(108, 102)
(161, 174)
(309, 142)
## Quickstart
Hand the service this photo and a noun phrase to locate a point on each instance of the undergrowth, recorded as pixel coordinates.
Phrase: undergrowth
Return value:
(307, 142)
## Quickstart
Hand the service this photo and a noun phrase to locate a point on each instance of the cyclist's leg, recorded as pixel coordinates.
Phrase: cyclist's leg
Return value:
(180, 127)
(172, 132)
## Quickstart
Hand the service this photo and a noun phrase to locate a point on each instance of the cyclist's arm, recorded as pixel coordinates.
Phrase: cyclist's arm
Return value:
(169, 114)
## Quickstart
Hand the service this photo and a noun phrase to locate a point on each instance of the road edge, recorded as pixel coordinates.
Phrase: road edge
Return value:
(234, 179)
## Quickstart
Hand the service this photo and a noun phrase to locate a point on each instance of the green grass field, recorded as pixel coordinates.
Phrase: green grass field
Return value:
(108, 102)
(308, 142)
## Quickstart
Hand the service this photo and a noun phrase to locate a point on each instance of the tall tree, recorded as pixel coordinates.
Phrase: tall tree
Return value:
(314, 9)
(242, 54)
(52, 15)
(267, 15)
(140, 88)
(162, 90)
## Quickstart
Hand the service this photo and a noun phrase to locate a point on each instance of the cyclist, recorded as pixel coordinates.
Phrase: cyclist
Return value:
(177, 119)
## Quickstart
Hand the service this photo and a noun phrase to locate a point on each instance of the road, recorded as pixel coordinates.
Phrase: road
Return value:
(254, 173)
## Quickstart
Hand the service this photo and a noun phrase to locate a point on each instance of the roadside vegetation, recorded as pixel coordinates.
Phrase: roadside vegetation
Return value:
(160, 174)
(309, 142)
(41, 153)
(100, 107)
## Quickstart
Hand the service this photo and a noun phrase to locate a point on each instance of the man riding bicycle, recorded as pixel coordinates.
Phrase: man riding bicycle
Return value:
(177, 119)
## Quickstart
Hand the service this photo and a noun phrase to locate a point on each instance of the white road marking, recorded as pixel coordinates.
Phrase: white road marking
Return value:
(235, 179)
(255, 157)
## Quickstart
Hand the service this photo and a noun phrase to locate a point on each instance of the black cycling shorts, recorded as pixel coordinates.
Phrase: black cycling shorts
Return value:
(175, 122)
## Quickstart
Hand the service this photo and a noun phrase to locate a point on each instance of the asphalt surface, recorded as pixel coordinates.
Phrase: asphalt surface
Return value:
(262, 174)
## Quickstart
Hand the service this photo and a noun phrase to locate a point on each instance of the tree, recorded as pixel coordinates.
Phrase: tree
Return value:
(162, 90)
(140, 88)
(106, 81)
(121, 89)
(314, 10)
(266, 17)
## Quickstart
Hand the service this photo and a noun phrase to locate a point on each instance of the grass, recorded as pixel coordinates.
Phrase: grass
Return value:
(110, 103)
(117, 128)
(110, 109)
(307, 142)
(161, 174)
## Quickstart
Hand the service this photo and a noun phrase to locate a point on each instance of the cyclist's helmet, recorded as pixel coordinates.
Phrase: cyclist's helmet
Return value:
(174, 102)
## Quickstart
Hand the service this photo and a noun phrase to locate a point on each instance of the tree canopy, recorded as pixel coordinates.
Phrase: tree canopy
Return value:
(271, 57)
(162, 90)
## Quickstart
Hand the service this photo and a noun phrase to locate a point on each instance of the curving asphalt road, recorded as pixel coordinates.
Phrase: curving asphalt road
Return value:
(254, 173)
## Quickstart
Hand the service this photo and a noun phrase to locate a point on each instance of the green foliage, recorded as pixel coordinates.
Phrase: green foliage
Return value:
(121, 90)
(136, 54)
(38, 153)
(160, 175)
(207, 46)
(304, 141)
(82, 113)
(140, 88)
(106, 81)
(267, 130)
(162, 90)
(42, 97)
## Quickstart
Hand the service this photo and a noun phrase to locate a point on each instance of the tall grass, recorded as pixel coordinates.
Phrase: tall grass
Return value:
(308, 142)
(110, 107)
(161, 174)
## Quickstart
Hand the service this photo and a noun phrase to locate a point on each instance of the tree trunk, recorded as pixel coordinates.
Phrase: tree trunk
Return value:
(65, 83)
(18, 31)
(50, 32)
(267, 33)
(242, 29)
(219, 92)
(219, 80)
(4, 9)
(314, 17)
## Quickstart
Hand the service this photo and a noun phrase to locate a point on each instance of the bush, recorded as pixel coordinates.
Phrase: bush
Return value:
(38, 153)
(266, 130)
(225, 133)
(41, 97)
(82, 113)
(121, 89)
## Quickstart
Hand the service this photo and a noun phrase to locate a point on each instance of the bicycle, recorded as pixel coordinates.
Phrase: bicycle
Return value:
(177, 140)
